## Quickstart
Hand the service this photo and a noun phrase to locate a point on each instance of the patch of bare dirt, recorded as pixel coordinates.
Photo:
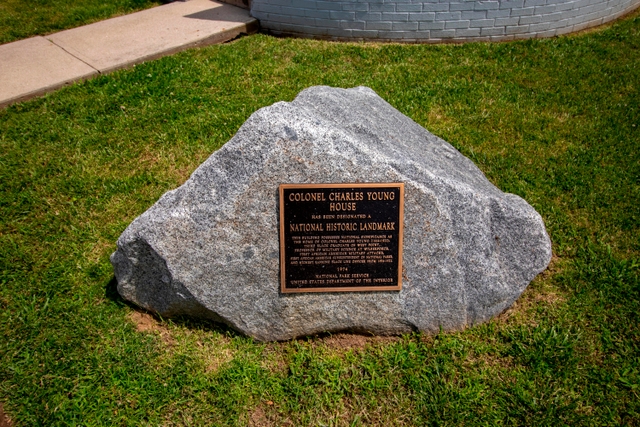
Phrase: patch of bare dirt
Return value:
(258, 418)
(147, 323)
(345, 341)
(5, 421)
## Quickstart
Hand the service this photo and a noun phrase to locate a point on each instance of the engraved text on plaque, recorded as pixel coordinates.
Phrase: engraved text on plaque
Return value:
(341, 237)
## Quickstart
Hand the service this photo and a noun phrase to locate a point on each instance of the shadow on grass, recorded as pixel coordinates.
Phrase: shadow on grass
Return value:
(111, 293)
(190, 322)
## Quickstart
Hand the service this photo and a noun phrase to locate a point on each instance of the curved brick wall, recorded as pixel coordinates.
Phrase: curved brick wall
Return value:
(435, 21)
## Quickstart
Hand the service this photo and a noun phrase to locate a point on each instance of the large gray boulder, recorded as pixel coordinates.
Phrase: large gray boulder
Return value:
(210, 248)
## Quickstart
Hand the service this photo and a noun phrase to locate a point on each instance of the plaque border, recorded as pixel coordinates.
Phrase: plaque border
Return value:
(283, 276)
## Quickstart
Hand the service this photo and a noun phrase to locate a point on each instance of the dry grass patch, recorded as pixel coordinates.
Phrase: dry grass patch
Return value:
(214, 356)
(263, 416)
(274, 359)
(211, 348)
(489, 360)
(102, 248)
(391, 412)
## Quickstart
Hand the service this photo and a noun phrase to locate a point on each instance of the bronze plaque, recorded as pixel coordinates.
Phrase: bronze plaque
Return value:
(341, 237)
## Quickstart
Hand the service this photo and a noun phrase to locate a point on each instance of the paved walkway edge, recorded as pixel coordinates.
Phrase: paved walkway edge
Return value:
(36, 66)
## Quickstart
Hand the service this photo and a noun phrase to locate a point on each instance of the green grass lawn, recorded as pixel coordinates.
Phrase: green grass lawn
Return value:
(21, 19)
(555, 121)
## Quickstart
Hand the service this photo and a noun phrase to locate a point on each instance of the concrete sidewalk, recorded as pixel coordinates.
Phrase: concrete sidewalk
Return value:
(34, 66)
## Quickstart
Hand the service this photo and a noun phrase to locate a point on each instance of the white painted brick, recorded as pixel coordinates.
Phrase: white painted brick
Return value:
(496, 31)
(476, 14)
(595, 16)
(467, 5)
(276, 17)
(302, 4)
(548, 33)
(500, 13)
(553, 17)
(582, 3)
(328, 5)
(603, 13)
(301, 20)
(368, 16)
(576, 20)
(393, 35)
(438, 25)
(327, 23)
(409, 7)
(527, 11)
(522, 36)
(382, 7)
(535, 19)
(456, 24)
(582, 25)
(503, 22)
(571, 13)
(590, 9)
(395, 16)
(272, 9)
(448, 20)
(355, 6)
(511, 4)
(443, 34)
(378, 25)
(281, 2)
(541, 10)
(435, 7)
(482, 23)
(342, 15)
(287, 27)
(517, 29)
(448, 16)
(421, 35)
(570, 5)
(559, 24)
(292, 11)
(404, 26)
(565, 30)
(352, 25)
(364, 34)
(423, 16)
(337, 32)
(486, 5)
(468, 32)
(536, 28)
(530, 3)
(314, 13)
